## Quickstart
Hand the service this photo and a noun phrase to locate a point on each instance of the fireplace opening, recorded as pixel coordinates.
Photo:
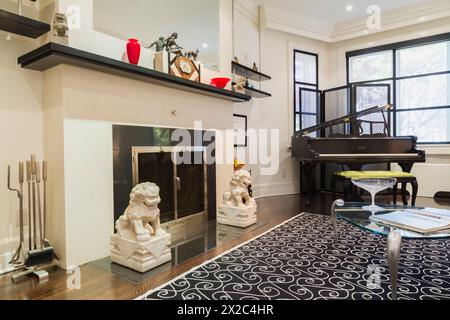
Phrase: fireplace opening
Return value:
(187, 191)
(183, 187)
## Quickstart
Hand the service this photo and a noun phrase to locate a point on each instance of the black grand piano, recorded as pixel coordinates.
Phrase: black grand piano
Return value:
(354, 140)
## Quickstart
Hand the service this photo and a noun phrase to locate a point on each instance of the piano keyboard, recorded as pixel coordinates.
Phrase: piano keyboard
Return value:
(369, 155)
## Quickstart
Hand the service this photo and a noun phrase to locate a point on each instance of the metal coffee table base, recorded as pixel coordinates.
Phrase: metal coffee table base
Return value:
(394, 243)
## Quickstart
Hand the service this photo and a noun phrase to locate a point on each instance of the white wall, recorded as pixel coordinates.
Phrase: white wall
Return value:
(276, 53)
(20, 126)
(246, 45)
(277, 112)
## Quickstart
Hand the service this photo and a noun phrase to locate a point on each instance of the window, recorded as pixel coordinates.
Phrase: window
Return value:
(418, 72)
(372, 66)
(306, 94)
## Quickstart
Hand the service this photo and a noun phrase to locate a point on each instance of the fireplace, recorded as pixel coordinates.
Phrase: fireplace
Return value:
(187, 190)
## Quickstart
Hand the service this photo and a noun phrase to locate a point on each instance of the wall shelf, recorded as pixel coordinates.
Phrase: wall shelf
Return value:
(255, 93)
(250, 74)
(17, 24)
(52, 54)
(247, 72)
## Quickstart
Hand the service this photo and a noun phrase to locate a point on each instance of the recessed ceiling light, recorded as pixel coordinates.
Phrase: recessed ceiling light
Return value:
(205, 45)
(349, 8)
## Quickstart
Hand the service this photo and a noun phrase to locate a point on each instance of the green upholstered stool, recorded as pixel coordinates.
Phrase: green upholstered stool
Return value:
(402, 177)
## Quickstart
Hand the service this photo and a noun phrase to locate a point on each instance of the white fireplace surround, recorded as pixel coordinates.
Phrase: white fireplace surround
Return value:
(80, 107)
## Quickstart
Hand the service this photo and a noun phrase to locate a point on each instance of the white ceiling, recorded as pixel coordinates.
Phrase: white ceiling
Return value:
(334, 11)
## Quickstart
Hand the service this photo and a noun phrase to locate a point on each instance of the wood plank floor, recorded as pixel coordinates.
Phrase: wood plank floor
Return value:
(97, 283)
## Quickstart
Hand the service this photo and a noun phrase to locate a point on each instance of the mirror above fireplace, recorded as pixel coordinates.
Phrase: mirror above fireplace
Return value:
(196, 22)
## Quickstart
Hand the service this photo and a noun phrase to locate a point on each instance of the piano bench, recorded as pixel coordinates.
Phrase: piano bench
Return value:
(345, 177)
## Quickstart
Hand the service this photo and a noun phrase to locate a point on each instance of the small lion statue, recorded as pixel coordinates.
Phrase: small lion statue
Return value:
(141, 218)
(239, 196)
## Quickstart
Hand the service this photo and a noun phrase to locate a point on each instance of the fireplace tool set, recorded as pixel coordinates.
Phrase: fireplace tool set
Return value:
(40, 253)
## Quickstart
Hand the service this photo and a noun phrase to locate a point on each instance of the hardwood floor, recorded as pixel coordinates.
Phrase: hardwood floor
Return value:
(98, 283)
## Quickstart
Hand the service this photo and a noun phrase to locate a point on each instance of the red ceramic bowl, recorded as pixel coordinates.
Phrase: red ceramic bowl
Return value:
(220, 82)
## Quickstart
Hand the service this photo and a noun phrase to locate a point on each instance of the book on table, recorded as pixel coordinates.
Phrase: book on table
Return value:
(424, 221)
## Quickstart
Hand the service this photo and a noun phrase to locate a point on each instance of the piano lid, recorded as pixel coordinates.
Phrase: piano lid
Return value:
(354, 124)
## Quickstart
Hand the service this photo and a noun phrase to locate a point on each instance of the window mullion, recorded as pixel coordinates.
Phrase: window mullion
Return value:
(305, 85)
(394, 92)
(371, 81)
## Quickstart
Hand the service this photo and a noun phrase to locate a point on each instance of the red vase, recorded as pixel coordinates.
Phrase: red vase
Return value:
(133, 51)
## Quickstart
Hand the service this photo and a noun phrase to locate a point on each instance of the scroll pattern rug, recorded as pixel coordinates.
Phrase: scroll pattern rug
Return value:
(299, 260)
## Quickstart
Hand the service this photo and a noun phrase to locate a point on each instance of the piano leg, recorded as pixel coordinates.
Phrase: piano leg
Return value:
(354, 166)
(308, 172)
(415, 187)
(406, 167)
(405, 201)
(333, 186)
(348, 190)
(394, 194)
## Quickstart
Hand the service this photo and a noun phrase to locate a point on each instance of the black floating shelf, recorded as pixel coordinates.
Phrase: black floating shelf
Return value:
(17, 24)
(53, 54)
(255, 93)
(247, 72)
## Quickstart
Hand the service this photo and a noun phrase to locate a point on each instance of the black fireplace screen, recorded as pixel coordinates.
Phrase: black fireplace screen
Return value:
(182, 186)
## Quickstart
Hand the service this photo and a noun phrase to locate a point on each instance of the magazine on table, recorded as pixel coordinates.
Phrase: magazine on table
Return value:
(425, 221)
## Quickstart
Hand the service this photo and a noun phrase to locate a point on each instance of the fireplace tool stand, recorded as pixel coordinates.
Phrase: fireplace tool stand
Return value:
(40, 255)
(19, 253)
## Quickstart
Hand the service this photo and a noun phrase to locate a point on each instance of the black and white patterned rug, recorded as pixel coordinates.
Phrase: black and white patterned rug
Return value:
(299, 260)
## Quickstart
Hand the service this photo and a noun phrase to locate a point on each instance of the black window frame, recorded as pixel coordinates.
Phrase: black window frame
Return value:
(394, 47)
(309, 85)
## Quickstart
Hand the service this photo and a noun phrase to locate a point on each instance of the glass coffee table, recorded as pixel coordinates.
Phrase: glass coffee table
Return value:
(354, 214)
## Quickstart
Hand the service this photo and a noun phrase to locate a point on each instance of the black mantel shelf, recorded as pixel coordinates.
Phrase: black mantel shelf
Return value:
(17, 24)
(52, 54)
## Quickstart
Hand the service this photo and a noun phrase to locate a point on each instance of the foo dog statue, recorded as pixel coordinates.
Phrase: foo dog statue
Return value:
(238, 196)
(140, 243)
(61, 28)
(239, 86)
(141, 218)
(239, 208)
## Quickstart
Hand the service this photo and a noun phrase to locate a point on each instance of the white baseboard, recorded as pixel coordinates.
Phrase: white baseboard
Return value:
(7, 247)
(4, 263)
(275, 189)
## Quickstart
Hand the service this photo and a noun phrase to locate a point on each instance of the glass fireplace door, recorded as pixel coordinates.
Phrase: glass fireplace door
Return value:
(191, 195)
(156, 167)
(182, 186)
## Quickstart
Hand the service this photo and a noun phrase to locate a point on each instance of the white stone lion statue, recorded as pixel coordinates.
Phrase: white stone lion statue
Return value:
(238, 196)
(141, 218)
